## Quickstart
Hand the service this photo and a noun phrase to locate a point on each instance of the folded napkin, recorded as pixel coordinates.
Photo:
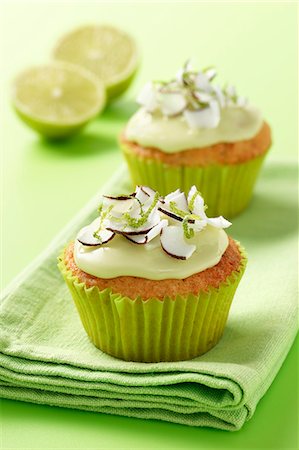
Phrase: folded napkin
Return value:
(46, 356)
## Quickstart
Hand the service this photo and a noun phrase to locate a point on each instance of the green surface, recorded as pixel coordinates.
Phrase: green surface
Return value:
(45, 184)
(220, 389)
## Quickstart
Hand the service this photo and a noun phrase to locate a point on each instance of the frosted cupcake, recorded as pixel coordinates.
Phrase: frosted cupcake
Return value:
(153, 277)
(190, 131)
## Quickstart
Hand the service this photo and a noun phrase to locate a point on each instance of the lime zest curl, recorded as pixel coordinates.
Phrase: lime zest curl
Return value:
(188, 231)
(103, 216)
(176, 210)
(187, 214)
(136, 223)
(192, 200)
(126, 217)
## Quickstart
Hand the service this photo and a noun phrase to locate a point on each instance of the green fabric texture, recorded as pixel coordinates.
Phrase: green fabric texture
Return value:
(46, 356)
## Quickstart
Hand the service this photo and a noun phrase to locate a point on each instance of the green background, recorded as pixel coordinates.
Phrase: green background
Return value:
(44, 184)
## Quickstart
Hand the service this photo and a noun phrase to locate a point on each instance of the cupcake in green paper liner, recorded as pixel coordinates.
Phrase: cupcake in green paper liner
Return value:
(191, 131)
(153, 277)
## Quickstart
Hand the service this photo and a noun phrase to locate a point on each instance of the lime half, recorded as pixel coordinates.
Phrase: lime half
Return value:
(109, 53)
(57, 99)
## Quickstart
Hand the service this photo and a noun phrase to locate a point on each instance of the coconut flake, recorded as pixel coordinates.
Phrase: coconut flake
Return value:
(218, 222)
(203, 97)
(180, 202)
(242, 101)
(88, 239)
(202, 82)
(143, 200)
(219, 96)
(179, 198)
(149, 191)
(208, 117)
(119, 197)
(230, 95)
(170, 214)
(174, 244)
(118, 206)
(180, 74)
(172, 103)
(145, 206)
(231, 91)
(143, 193)
(211, 74)
(172, 195)
(191, 94)
(127, 230)
(148, 97)
(122, 227)
(198, 209)
(197, 224)
(145, 238)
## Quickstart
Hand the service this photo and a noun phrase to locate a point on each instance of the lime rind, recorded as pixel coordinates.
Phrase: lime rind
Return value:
(57, 126)
(68, 49)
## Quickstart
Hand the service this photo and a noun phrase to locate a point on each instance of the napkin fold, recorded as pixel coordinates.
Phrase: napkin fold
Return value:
(46, 356)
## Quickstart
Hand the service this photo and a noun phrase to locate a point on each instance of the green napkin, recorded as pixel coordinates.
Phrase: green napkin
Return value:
(47, 358)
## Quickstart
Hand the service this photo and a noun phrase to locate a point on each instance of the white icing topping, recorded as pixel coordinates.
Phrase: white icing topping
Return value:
(142, 230)
(191, 112)
(120, 257)
(173, 134)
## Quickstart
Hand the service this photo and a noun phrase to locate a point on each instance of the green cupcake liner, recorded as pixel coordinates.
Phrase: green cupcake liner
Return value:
(153, 330)
(227, 189)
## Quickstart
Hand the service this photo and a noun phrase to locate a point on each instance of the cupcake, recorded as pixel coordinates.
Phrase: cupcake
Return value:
(189, 131)
(153, 277)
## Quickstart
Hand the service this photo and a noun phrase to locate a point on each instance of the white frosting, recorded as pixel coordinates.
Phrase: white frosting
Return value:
(120, 257)
(173, 134)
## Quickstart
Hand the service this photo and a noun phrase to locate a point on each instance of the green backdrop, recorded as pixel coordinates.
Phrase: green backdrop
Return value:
(254, 46)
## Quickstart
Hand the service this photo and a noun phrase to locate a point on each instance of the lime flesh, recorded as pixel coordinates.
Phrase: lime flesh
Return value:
(109, 53)
(57, 99)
